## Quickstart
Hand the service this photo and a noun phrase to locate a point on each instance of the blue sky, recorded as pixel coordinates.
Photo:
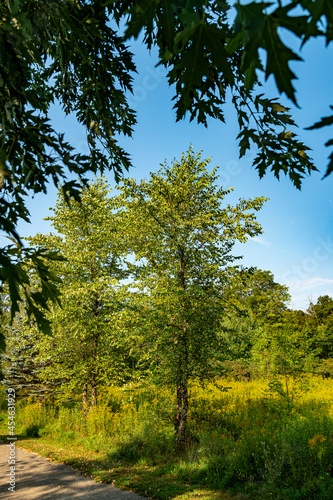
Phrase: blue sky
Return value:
(297, 243)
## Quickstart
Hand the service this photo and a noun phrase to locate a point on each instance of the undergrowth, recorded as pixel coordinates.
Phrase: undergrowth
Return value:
(250, 438)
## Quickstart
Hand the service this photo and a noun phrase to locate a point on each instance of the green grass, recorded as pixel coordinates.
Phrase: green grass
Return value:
(247, 443)
(157, 482)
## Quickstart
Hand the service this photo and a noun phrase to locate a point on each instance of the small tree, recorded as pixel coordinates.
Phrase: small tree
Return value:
(182, 238)
(21, 366)
(84, 346)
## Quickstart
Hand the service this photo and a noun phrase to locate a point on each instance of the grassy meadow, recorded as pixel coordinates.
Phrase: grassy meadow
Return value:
(246, 439)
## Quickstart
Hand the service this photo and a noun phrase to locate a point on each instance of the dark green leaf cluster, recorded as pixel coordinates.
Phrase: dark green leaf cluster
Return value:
(64, 53)
(267, 126)
(15, 262)
(73, 54)
(208, 55)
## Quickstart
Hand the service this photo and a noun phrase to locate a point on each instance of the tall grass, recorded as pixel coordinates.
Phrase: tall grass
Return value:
(249, 437)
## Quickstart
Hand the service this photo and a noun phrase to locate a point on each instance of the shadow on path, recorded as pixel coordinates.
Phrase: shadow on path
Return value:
(37, 478)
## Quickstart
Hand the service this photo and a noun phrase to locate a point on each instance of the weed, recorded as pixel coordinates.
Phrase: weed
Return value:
(253, 439)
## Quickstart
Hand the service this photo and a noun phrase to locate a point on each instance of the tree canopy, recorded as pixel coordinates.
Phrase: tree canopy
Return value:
(181, 233)
(83, 348)
(75, 53)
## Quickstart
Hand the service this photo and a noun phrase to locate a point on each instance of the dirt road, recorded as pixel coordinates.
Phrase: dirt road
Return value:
(36, 478)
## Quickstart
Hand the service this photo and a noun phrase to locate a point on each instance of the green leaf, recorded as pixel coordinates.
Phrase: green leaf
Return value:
(142, 15)
(168, 23)
(329, 167)
(319, 10)
(260, 30)
(215, 41)
(278, 58)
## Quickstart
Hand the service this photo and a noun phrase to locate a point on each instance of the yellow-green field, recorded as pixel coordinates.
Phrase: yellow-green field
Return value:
(248, 439)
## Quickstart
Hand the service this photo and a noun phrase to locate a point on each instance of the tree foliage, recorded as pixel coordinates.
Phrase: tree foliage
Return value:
(212, 47)
(318, 327)
(84, 348)
(61, 52)
(260, 335)
(21, 367)
(182, 237)
(74, 54)
(254, 302)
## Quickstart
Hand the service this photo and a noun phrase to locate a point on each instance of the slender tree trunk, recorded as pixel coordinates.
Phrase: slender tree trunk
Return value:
(178, 408)
(93, 400)
(182, 385)
(181, 413)
(84, 398)
(84, 385)
(182, 416)
(94, 371)
(93, 374)
(286, 381)
(182, 396)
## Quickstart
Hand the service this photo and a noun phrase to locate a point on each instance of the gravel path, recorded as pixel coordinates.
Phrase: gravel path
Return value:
(36, 478)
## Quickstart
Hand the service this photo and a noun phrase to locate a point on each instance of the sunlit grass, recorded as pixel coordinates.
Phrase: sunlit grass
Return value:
(246, 438)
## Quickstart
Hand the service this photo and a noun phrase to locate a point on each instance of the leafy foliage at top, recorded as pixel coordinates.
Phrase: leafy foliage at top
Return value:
(210, 47)
(85, 348)
(181, 232)
(57, 52)
(73, 53)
